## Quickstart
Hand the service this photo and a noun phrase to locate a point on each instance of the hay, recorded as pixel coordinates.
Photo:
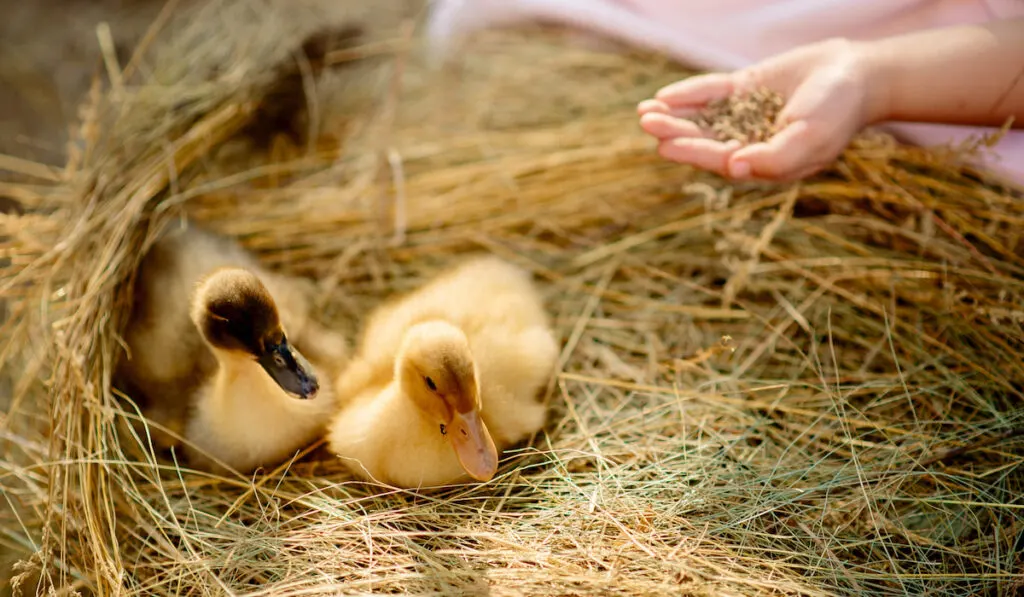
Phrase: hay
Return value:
(760, 385)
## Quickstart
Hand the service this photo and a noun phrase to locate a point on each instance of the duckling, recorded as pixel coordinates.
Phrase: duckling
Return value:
(445, 378)
(213, 351)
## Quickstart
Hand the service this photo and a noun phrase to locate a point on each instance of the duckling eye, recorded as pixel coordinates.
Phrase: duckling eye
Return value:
(431, 384)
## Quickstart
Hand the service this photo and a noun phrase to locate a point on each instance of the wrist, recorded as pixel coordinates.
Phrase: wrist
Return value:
(876, 77)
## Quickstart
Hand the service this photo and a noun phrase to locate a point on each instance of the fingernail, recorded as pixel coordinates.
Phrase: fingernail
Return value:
(647, 104)
(739, 169)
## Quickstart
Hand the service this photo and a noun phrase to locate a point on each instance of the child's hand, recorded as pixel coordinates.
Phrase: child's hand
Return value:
(828, 101)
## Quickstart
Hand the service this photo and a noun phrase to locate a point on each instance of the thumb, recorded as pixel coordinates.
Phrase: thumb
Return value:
(788, 154)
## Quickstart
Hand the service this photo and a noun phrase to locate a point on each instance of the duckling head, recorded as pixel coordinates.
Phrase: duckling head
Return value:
(236, 315)
(435, 369)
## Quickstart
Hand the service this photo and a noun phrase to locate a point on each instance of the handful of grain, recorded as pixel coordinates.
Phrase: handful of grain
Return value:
(747, 118)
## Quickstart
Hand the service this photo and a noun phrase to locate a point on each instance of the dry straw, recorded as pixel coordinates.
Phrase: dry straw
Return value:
(807, 390)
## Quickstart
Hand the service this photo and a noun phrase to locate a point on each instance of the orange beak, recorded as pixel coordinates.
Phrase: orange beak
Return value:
(473, 445)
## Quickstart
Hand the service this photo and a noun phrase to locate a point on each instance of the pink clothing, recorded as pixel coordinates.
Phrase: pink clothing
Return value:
(731, 34)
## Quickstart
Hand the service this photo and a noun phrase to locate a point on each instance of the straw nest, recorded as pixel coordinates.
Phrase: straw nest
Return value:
(804, 390)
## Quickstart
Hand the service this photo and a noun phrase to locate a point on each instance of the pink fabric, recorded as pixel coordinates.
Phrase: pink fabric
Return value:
(732, 34)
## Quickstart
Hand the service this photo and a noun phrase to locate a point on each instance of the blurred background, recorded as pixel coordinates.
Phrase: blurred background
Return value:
(49, 50)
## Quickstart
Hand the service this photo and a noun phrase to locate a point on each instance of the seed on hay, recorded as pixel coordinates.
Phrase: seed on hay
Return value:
(747, 118)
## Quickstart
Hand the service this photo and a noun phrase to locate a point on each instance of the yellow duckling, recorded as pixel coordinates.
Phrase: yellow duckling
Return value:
(210, 350)
(446, 378)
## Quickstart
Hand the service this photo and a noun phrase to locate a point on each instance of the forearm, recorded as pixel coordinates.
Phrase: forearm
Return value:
(970, 75)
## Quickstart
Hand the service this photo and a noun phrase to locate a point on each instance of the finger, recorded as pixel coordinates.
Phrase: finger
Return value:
(664, 126)
(696, 91)
(660, 107)
(651, 106)
(705, 154)
(744, 174)
(789, 152)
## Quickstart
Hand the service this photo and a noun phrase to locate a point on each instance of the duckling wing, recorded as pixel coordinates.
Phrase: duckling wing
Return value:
(482, 292)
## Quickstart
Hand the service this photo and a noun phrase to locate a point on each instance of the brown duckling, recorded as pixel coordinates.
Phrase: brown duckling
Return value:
(214, 352)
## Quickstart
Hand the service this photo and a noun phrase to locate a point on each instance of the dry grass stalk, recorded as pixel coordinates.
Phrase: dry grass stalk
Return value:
(863, 340)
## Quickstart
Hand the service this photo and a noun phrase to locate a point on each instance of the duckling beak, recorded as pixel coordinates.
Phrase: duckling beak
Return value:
(473, 445)
(290, 370)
